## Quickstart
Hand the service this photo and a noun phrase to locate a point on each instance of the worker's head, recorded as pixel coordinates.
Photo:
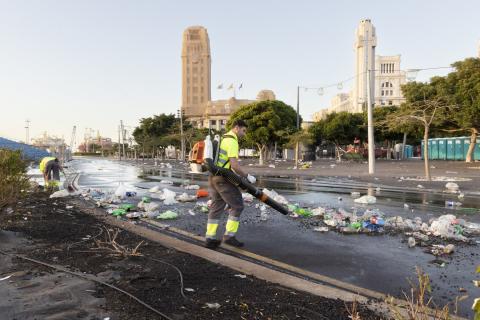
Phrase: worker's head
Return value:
(239, 127)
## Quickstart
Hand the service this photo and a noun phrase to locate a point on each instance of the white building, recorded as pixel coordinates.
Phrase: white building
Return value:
(385, 72)
(388, 81)
(365, 43)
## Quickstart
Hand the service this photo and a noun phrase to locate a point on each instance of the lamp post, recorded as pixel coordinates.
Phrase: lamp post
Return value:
(182, 142)
(320, 93)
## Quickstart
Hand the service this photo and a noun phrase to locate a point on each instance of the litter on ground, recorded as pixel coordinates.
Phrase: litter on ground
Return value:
(366, 200)
(168, 215)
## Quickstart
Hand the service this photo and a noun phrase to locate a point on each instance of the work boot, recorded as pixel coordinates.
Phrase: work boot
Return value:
(212, 243)
(233, 242)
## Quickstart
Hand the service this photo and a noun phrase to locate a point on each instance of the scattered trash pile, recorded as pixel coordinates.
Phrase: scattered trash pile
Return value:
(118, 204)
(373, 221)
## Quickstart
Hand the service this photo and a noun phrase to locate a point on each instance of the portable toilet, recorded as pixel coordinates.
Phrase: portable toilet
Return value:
(476, 152)
(459, 155)
(442, 149)
(450, 148)
(433, 149)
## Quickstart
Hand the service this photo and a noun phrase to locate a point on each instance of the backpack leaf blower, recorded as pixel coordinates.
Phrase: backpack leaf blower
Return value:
(209, 161)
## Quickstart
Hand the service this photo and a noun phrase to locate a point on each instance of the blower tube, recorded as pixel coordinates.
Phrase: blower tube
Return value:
(242, 183)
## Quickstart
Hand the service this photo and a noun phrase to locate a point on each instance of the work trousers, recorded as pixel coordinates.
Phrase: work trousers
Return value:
(222, 192)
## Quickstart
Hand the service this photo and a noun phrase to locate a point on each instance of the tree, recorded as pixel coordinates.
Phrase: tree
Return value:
(155, 131)
(464, 85)
(265, 119)
(339, 128)
(297, 138)
(425, 107)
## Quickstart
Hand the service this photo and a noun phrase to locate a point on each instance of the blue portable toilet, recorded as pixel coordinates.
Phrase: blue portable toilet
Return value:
(450, 148)
(433, 149)
(430, 149)
(476, 152)
(442, 149)
(459, 155)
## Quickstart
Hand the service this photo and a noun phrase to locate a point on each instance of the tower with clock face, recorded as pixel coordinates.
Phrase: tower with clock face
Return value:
(196, 71)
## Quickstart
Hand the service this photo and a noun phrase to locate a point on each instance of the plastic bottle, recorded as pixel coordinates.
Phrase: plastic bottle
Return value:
(208, 151)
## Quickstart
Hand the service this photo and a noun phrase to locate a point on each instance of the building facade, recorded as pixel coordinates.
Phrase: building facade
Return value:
(197, 104)
(388, 81)
(196, 71)
(386, 77)
(365, 43)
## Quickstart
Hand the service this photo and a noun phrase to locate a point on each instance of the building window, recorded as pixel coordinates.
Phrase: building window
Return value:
(213, 122)
(383, 91)
(195, 99)
(195, 69)
(391, 92)
(390, 103)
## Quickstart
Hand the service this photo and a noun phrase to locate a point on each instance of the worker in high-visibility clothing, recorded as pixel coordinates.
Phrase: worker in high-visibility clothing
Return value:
(50, 168)
(223, 192)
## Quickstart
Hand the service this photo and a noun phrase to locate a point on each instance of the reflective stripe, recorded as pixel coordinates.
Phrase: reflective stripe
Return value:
(213, 221)
(233, 218)
(223, 152)
(232, 227)
(211, 230)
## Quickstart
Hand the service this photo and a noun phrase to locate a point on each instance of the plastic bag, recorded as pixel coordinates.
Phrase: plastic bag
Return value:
(154, 189)
(167, 215)
(60, 194)
(121, 192)
(169, 197)
(366, 200)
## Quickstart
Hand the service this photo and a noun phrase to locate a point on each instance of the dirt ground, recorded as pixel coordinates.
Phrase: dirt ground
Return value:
(51, 231)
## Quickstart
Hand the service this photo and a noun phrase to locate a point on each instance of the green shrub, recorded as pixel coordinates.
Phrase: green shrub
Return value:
(13, 177)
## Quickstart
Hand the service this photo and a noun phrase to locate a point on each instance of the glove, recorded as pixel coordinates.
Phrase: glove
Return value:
(251, 179)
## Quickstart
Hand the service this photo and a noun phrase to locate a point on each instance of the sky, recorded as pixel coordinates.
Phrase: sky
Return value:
(92, 63)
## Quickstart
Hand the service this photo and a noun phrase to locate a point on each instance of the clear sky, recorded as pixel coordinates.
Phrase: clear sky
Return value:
(91, 63)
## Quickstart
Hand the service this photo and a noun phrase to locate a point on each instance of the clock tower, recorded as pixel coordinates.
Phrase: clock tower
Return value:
(196, 71)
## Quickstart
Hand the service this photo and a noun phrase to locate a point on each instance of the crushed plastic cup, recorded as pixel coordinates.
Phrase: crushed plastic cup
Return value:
(412, 242)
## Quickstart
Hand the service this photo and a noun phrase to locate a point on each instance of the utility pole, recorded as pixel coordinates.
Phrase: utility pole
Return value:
(368, 100)
(297, 147)
(119, 150)
(182, 141)
(27, 131)
(371, 141)
(123, 137)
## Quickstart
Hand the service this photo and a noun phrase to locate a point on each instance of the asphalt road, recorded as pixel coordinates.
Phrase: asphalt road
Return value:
(382, 262)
